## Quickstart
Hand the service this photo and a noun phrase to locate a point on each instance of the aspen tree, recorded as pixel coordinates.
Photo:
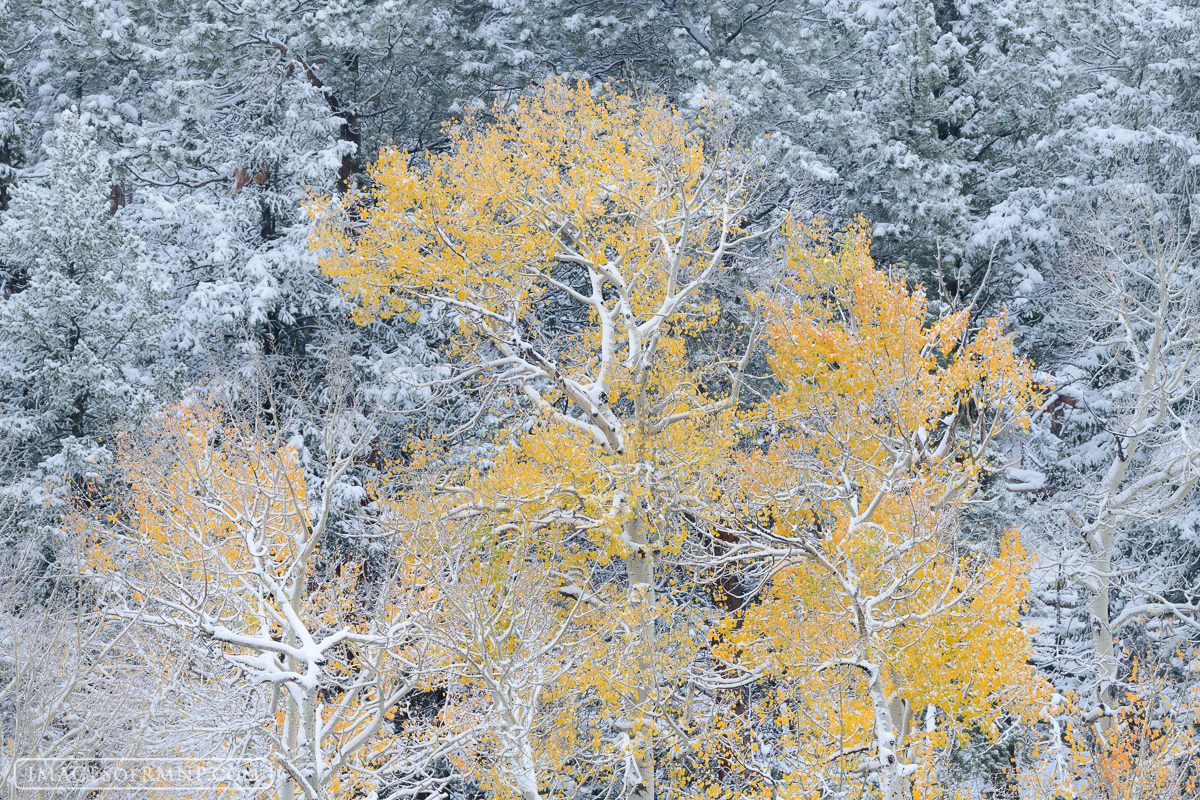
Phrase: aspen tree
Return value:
(217, 538)
(1149, 752)
(609, 213)
(884, 628)
(1134, 278)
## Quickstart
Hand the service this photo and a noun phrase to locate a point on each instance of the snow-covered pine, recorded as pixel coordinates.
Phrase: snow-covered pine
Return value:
(81, 326)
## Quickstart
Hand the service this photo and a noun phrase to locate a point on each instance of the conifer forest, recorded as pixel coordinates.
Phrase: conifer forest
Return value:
(600, 399)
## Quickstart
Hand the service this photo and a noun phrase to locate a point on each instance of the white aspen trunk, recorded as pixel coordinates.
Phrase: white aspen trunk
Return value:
(526, 778)
(514, 734)
(640, 567)
(293, 716)
(902, 717)
(890, 769)
(891, 776)
(1101, 537)
(312, 735)
(290, 735)
(1102, 634)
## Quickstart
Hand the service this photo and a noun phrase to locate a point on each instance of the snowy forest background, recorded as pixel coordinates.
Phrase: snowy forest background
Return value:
(157, 164)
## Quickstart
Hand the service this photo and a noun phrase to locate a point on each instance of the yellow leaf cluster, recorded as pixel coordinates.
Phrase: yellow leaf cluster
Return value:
(214, 536)
(198, 489)
(883, 424)
(567, 176)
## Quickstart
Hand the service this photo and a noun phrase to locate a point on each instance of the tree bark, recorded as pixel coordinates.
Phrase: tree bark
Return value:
(640, 568)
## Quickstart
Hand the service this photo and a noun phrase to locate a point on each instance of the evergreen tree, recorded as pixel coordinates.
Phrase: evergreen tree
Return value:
(80, 332)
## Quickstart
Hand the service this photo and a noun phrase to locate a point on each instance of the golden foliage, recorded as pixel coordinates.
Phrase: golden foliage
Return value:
(565, 177)
(614, 207)
(204, 496)
(893, 634)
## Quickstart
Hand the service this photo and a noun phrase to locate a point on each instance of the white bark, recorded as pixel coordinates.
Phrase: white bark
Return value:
(639, 565)
(1137, 260)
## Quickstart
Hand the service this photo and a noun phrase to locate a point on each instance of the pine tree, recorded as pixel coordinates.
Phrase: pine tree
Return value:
(82, 324)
